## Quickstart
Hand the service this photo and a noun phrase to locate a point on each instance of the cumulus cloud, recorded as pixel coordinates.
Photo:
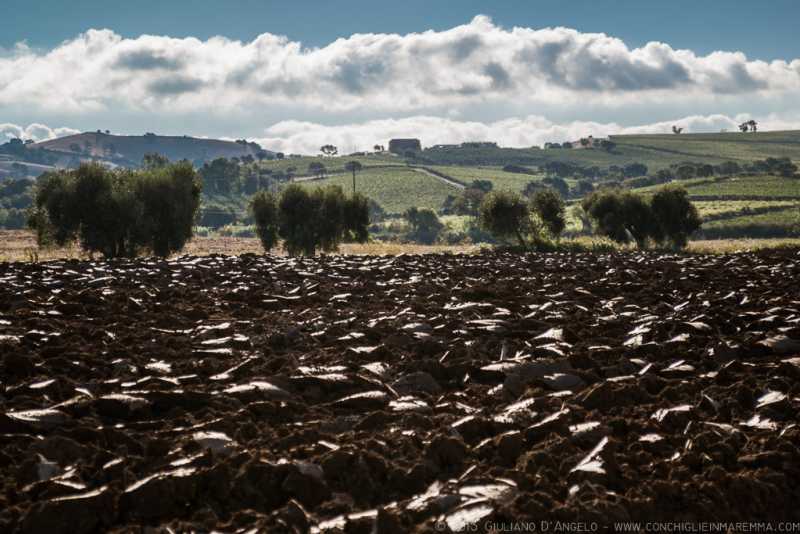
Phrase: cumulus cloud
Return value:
(466, 67)
(36, 132)
(305, 137)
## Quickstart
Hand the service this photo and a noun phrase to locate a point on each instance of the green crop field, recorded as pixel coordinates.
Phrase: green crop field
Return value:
(394, 189)
(500, 179)
(749, 186)
(533, 157)
(723, 208)
(332, 164)
(783, 223)
(655, 151)
(717, 147)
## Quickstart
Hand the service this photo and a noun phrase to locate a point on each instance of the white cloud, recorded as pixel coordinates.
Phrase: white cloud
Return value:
(306, 137)
(37, 132)
(465, 70)
(471, 82)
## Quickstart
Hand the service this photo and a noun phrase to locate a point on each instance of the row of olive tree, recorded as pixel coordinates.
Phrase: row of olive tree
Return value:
(507, 215)
(117, 213)
(307, 221)
(666, 218)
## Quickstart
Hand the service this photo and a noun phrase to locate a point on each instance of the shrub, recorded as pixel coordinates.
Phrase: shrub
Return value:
(425, 225)
(704, 170)
(685, 172)
(519, 169)
(632, 170)
(558, 184)
(583, 187)
(482, 185)
(117, 213)
(476, 233)
(376, 211)
(728, 168)
(13, 218)
(532, 187)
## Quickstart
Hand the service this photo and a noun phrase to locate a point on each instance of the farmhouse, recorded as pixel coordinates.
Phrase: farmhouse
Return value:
(399, 146)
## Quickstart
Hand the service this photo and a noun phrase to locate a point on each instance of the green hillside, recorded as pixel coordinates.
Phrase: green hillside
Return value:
(500, 179)
(655, 151)
(395, 189)
(748, 186)
(128, 150)
(299, 165)
(748, 203)
(716, 147)
(745, 206)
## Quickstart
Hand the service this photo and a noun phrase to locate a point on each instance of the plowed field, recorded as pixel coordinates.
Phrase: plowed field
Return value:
(398, 394)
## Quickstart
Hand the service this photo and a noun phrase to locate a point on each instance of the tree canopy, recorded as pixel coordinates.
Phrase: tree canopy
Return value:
(115, 213)
(308, 221)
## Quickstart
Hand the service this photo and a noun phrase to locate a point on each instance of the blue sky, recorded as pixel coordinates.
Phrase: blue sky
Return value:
(295, 75)
(762, 29)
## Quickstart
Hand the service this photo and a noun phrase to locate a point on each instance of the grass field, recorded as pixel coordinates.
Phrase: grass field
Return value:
(394, 189)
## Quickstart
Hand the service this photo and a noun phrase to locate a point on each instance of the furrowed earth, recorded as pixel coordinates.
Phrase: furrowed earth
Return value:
(398, 394)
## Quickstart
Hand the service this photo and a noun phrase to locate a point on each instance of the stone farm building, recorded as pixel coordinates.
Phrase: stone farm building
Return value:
(400, 146)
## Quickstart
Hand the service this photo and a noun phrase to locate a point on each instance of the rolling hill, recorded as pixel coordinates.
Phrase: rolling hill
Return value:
(752, 204)
(128, 150)
(656, 151)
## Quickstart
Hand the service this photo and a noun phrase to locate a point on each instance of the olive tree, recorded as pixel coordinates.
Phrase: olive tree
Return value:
(171, 197)
(264, 208)
(675, 215)
(357, 214)
(307, 221)
(425, 225)
(621, 216)
(548, 206)
(117, 213)
(505, 214)
(297, 221)
(669, 216)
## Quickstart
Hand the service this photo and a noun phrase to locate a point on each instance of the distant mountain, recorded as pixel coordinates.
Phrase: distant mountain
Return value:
(128, 150)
